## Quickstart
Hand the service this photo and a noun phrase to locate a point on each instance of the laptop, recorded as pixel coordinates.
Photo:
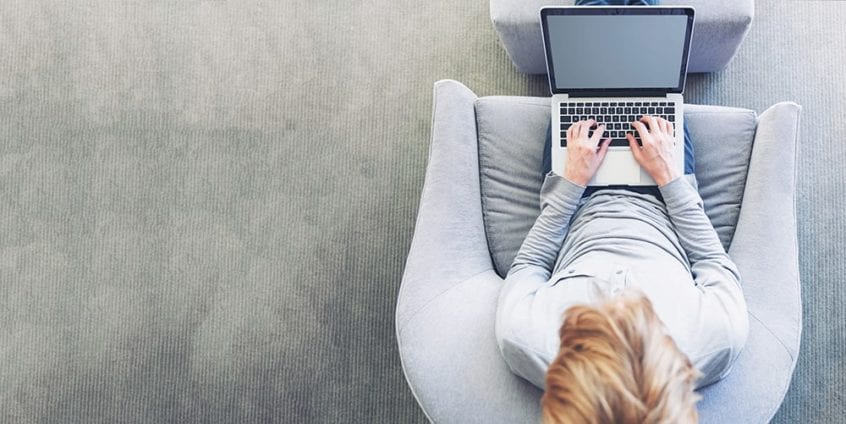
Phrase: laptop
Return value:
(615, 64)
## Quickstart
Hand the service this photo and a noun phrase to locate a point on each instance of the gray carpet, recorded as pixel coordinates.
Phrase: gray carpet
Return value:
(205, 206)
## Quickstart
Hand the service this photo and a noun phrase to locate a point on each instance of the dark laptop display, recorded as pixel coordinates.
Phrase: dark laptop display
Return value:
(641, 50)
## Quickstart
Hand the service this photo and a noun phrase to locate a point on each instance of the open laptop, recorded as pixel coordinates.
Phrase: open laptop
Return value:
(615, 64)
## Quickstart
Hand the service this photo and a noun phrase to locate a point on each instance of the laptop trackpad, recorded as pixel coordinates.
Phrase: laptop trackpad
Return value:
(618, 168)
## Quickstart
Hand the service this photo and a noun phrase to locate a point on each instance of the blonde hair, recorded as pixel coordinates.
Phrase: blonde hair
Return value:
(618, 365)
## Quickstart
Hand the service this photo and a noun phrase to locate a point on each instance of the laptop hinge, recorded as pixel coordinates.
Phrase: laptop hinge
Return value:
(617, 93)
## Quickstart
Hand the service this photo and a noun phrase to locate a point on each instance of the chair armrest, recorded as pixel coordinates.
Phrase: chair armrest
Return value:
(449, 243)
(765, 245)
(756, 385)
(452, 362)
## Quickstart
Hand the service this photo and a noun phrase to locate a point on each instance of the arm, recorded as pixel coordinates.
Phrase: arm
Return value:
(530, 270)
(696, 234)
(559, 199)
(710, 265)
(723, 323)
(560, 196)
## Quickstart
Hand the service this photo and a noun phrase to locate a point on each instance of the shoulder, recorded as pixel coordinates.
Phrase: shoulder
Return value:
(726, 335)
(526, 361)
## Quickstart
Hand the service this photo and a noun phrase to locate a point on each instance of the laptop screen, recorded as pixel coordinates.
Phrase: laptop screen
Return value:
(599, 50)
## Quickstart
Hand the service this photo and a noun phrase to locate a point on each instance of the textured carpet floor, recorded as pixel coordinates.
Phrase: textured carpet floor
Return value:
(205, 206)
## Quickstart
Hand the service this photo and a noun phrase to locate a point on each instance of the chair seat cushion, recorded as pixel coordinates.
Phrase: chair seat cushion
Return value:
(511, 134)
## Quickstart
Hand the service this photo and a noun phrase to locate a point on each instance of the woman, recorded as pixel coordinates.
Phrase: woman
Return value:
(620, 303)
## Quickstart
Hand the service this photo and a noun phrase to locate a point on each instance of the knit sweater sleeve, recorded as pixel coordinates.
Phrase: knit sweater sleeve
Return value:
(532, 267)
(722, 305)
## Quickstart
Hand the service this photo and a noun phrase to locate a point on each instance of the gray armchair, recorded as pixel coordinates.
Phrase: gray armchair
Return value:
(480, 199)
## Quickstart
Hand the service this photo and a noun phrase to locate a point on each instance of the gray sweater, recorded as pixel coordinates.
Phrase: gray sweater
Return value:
(580, 250)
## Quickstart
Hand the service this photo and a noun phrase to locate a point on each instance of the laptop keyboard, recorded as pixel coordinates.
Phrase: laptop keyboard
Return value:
(617, 117)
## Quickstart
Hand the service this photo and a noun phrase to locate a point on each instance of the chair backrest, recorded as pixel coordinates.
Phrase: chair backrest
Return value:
(511, 133)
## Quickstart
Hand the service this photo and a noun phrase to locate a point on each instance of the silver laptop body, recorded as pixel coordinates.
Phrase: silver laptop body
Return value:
(615, 64)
